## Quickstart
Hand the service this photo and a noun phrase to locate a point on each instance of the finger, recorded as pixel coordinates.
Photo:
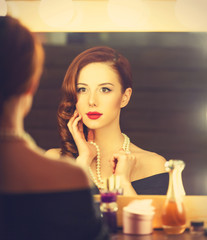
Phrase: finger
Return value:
(114, 170)
(76, 120)
(117, 155)
(121, 150)
(80, 125)
(114, 164)
(69, 125)
(70, 122)
(75, 126)
(118, 161)
(73, 123)
(75, 114)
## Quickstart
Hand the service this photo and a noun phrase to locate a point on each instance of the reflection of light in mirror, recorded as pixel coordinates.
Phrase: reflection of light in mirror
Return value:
(133, 13)
(192, 13)
(206, 116)
(205, 182)
(3, 8)
(57, 39)
(56, 13)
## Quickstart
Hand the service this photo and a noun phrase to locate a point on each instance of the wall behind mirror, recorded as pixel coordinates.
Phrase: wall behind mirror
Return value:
(168, 110)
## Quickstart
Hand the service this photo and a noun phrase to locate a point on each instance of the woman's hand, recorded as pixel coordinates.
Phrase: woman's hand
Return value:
(122, 165)
(87, 151)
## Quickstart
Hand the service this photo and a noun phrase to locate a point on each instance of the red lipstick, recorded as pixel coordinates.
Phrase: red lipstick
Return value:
(94, 115)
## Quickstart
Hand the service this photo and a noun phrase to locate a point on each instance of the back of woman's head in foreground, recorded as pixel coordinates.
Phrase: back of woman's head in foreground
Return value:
(100, 54)
(18, 59)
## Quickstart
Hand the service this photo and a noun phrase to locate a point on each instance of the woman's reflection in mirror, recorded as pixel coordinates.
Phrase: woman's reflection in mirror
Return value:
(97, 85)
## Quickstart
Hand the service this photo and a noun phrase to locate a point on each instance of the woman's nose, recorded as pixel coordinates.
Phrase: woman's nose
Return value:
(92, 99)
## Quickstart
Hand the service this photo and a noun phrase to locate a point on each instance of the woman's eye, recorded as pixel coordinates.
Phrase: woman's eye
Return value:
(81, 90)
(105, 90)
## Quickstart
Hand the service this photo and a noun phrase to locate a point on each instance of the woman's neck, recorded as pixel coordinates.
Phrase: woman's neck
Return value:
(109, 139)
(12, 117)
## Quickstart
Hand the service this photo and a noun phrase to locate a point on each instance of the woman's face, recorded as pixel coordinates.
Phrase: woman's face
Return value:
(99, 94)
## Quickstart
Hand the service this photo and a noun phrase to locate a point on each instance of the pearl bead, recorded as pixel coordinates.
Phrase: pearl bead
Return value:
(99, 181)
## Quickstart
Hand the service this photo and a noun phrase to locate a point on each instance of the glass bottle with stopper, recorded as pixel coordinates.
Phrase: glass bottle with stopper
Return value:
(108, 205)
(173, 213)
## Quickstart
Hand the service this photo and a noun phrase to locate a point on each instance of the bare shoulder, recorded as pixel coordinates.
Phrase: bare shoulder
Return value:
(53, 152)
(30, 170)
(67, 172)
(56, 173)
(147, 163)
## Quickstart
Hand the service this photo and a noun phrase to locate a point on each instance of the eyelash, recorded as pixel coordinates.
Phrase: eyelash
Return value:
(81, 89)
(103, 90)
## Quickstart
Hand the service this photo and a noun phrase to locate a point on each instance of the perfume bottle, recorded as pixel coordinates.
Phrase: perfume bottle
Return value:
(109, 207)
(173, 213)
(108, 204)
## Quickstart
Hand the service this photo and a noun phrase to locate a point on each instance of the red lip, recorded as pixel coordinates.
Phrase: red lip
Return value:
(94, 115)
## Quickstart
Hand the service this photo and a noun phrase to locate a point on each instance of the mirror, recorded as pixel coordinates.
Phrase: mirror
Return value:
(168, 110)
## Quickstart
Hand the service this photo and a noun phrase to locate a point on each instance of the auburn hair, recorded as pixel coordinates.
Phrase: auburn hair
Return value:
(18, 58)
(67, 105)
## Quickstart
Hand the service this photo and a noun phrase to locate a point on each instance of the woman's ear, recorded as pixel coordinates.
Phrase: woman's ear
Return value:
(126, 97)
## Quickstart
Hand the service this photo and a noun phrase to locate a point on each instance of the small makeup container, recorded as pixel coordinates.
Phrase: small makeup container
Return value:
(109, 208)
(139, 224)
(197, 227)
(137, 219)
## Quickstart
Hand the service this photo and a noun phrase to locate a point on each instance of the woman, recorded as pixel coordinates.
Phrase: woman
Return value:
(40, 197)
(97, 85)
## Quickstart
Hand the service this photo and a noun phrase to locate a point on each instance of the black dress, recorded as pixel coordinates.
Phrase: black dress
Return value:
(50, 216)
(153, 185)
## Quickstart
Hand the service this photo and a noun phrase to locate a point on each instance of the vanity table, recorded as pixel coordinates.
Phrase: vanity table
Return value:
(196, 209)
(158, 234)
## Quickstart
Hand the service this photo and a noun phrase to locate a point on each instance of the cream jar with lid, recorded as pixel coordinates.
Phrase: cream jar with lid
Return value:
(197, 227)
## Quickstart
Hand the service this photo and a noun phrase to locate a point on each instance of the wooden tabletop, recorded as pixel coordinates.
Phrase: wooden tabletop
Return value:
(158, 235)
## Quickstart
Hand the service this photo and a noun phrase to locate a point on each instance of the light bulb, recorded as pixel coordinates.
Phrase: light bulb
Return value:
(56, 13)
(128, 13)
(192, 14)
(3, 8)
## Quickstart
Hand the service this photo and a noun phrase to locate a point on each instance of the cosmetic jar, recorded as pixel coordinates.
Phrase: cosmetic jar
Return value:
(139, 224)
(197, 227)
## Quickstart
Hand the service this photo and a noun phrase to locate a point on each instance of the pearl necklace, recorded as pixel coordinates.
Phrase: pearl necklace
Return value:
(11, 134)
(99, 181)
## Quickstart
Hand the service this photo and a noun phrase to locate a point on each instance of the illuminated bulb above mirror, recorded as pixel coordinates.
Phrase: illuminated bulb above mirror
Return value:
(192, 13)
(3, 8)
(109, 15)
(132, 14)
(56, 13)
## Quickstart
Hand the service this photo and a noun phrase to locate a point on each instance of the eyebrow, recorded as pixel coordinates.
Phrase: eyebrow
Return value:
(82, 84)
(98, 85)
